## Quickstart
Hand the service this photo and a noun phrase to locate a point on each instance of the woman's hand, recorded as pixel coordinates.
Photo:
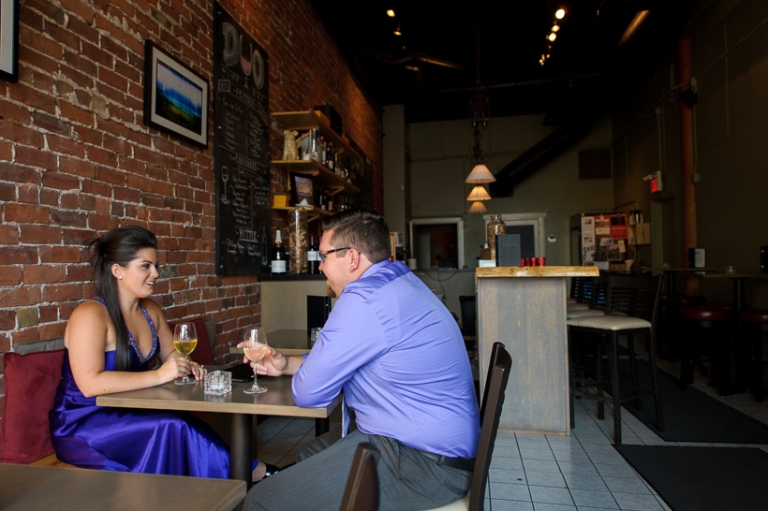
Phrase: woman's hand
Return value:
(175, 367)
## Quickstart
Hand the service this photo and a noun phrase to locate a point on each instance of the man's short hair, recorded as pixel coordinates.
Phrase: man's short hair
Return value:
(361, 229)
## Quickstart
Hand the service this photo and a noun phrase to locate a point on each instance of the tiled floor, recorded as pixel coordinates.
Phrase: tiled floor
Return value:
(532, 472)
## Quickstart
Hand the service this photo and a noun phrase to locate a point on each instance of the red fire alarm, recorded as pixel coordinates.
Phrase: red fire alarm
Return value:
(655, 181)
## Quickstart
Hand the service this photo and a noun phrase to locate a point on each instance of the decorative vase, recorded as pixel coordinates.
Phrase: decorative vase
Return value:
(298, 242)
(496, 226)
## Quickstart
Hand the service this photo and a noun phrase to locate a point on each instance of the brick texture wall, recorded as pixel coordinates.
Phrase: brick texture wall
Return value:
(76, 159)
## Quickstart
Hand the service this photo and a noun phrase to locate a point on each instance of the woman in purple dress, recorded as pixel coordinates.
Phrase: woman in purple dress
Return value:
(111, 343)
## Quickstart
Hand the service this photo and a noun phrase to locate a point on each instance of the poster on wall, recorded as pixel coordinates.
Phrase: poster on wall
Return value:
(241, 149)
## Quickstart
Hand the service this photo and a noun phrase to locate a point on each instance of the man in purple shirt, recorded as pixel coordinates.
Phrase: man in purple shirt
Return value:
(397, 354)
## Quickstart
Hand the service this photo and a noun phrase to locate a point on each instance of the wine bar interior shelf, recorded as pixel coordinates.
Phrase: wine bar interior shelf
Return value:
(309, 120)
(313, 213)
(321, 173)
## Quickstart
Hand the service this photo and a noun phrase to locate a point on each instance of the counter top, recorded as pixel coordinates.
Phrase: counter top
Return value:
(539, 271)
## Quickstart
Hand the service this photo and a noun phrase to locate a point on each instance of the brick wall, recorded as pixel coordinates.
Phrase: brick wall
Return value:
(76, 159)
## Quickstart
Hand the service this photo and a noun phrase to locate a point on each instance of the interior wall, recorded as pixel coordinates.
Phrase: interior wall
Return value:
(440, 161)
(730, 68)
(77, 160)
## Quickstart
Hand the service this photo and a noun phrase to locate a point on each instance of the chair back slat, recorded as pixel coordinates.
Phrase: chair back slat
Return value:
(636, 296)
(498, 376)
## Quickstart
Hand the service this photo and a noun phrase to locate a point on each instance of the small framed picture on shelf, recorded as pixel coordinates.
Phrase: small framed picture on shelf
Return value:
(302, 190)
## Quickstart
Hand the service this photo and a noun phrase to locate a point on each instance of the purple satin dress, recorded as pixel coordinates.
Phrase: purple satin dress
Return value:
(129, 440)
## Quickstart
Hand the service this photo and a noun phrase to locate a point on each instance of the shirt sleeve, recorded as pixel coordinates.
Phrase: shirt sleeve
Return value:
(351, 338)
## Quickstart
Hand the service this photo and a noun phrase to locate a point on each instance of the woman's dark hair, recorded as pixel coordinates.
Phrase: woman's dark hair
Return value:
(362, 229)
(119, 246)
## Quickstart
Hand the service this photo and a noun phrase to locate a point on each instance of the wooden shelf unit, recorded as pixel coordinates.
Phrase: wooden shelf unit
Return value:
(309, 120)
(321, 173)
(313, 213)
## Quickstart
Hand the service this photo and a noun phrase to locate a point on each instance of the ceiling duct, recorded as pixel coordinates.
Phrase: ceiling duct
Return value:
(540, 154)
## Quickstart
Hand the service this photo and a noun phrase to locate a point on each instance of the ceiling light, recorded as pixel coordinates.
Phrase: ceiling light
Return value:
(391, 13)
(397, 31)
(552, 36)
(555, 27)
(480, 174)
(415, 69)
(478, 193)
(560, 14)
(478, 207)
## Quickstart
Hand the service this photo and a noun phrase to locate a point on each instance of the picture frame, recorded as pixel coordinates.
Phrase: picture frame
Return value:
(175, 96)
(9, 40)
(302, 188)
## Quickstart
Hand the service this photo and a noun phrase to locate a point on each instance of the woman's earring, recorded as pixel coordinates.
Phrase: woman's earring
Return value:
(120, 277)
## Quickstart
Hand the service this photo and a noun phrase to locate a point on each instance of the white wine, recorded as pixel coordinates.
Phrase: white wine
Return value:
(279, 264)
(185, 347)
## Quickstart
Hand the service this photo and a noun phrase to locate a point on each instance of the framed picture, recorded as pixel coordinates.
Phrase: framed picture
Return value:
(9, 30)
(175, 97)
(302, 190)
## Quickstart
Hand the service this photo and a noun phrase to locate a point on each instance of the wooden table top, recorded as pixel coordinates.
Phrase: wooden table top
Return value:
(723, 275)
(539, 271)
(278, 400)
(27, 487)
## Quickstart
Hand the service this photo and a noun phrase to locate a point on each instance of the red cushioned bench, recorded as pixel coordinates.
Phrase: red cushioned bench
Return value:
(32, 374)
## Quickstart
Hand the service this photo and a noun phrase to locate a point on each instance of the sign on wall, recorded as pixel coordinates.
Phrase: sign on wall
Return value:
(241, 149)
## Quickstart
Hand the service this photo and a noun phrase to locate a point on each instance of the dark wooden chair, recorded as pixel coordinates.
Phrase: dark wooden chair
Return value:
(362, 490)
(493, 400)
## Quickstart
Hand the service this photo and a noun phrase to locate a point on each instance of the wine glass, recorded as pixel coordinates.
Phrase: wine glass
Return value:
(245, 64)
(225, 178)
(185, 342)
(254, 348)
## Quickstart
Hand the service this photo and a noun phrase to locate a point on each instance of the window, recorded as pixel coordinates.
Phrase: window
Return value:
(437, 242)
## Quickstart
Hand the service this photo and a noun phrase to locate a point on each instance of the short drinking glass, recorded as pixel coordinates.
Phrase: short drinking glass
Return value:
(255, 347)
(185, 342)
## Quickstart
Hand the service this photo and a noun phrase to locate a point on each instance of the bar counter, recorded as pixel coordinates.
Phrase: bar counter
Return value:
(525, 308)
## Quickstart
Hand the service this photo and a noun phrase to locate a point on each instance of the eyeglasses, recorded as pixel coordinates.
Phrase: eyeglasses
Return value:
(323, 254)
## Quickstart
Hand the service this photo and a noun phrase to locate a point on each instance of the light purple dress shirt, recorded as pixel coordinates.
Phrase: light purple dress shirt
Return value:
(399, 356)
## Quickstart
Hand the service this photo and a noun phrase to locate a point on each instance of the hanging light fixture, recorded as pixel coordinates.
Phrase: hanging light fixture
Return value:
(479, 114)
(478, 193)
(480, 174)
(478, 207)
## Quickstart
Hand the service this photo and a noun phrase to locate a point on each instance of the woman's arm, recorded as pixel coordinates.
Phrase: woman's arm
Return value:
(89, 334)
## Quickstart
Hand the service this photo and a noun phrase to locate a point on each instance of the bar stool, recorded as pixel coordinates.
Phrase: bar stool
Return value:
(755, 325)
(714, 322)
(670, 329)
(632, 307)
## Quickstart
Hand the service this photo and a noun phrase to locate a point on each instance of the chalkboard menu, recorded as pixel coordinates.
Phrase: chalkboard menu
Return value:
(241, 149)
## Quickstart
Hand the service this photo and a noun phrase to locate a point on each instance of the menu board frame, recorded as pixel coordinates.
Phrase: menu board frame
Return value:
(241, 149)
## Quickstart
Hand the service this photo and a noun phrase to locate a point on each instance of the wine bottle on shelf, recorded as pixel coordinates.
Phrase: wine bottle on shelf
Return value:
(330, 202)
(279, 262)
(313, 257)
(329, 161)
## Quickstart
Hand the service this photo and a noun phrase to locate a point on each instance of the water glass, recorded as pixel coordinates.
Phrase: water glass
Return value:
(218, 383)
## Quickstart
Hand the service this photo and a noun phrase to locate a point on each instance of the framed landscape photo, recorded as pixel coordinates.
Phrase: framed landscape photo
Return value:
(9, 38)
(175, 97)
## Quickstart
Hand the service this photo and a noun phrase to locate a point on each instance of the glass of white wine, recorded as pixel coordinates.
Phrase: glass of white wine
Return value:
(255, 347)
(185, 342)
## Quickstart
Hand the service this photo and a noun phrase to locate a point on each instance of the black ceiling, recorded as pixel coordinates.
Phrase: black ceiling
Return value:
(448, 51)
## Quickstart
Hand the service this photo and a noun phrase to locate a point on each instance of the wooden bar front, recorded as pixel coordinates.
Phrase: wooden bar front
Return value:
(525, 308)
